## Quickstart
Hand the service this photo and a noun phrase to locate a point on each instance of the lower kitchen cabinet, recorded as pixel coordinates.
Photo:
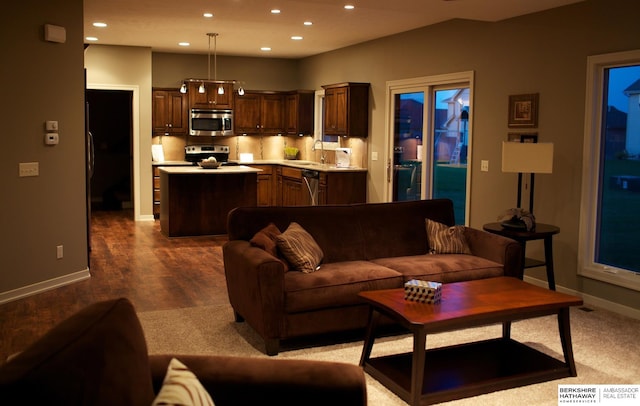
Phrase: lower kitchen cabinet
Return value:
(156, 192)
(290, 188)
(266, 185)
(156, 186)
(342, 187)
(335, 187)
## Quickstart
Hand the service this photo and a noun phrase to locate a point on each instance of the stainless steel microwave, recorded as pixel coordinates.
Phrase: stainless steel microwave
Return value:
(210, 122)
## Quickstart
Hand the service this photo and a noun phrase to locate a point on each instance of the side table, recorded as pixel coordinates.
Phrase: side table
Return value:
(540, 232)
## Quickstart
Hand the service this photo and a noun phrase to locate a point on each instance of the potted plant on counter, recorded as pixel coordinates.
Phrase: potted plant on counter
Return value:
(290, 153)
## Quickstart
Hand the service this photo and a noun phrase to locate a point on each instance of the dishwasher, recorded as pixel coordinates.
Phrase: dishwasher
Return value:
(312, 180)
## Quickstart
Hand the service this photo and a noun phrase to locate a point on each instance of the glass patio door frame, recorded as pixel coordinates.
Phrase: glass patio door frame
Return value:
(428, 85)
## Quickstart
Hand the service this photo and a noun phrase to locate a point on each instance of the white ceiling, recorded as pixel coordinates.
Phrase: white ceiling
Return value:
(246, 25)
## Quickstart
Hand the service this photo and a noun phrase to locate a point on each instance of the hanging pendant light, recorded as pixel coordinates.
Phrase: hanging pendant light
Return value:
(220, 85)
(215, 59)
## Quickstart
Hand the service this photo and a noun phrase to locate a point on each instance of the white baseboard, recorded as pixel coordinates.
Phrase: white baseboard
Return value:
(145, 217)
(590, 300)
(43, 286)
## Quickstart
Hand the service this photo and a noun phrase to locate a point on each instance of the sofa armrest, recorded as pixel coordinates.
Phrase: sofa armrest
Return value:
(498, 249)
(255, 284)
(256, 381)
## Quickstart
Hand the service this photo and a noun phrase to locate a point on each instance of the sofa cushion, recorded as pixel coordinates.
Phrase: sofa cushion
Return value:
(443, 268)
(299, 248)
(446, 240)
(266, 239)
(182, 387)
(96, 357)
(336, 284)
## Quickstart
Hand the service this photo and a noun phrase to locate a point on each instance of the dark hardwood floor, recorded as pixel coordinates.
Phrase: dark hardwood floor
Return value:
(128, 259)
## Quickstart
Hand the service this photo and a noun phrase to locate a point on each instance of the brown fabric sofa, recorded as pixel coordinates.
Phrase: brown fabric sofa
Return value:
(365, 246)
(99, 357)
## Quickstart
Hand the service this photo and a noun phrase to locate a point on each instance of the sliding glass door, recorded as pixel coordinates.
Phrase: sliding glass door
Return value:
(429, 140)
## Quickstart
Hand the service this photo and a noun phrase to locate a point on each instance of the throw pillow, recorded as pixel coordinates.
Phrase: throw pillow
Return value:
(300, 249)
(181, 387)
(446, 240)
(266, 240)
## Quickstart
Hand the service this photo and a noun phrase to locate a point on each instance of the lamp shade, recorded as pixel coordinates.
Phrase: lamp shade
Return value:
(527, 157)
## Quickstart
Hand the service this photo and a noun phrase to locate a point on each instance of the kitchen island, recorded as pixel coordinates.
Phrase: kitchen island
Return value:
(195, 201)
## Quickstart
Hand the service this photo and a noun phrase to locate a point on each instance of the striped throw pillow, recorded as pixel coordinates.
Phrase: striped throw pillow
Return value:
(446, 240)
(300, 249)
(182, 387)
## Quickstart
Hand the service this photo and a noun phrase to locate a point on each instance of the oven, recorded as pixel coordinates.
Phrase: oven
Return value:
(196, 153)
(210, 122)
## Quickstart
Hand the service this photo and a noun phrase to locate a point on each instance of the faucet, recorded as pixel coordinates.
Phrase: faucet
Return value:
(313, 148)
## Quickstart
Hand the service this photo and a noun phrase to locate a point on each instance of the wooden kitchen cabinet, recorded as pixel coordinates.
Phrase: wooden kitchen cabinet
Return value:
(156, 192)
(169, 112)
(210, 99)
(266, 185)
(346, 109)
(335, 187)
(291, 190)
(259, 113)
(342, 187)
(298, 113)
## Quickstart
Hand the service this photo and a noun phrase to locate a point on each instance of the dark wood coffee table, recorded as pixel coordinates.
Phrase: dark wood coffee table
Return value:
(442, 374)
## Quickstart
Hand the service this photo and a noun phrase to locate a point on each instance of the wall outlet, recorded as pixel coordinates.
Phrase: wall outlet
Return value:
(59, 251)
(374, 156)
(28, 169)
(484, 165)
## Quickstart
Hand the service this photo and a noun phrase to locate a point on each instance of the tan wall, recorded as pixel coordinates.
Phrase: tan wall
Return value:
(42, 81)
(543, 53)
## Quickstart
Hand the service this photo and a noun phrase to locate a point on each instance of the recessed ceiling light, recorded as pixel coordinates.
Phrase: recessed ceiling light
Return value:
(275, 11)
(207, 15)
(349, 6)
(91, 38)
(265, 49)
(296, 37)
(308, 23)
(184, 44)
(99, 24)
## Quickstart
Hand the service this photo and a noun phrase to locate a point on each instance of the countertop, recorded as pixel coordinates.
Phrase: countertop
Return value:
(294, 163)
(171, 163)
(222, 170)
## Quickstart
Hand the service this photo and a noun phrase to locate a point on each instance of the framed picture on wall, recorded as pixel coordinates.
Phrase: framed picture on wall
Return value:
(523, 110)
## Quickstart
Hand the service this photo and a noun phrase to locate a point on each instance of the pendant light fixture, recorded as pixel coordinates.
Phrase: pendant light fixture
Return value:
(215, 60)
(220, 84)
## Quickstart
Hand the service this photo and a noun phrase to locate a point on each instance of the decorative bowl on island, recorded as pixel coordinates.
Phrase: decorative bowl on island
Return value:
(209, 163)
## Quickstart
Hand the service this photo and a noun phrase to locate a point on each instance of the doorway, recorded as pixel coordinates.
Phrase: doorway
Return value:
(429, 140)
(110, 117)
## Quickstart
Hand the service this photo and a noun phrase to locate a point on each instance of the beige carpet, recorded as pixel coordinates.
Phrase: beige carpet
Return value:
(606, 348)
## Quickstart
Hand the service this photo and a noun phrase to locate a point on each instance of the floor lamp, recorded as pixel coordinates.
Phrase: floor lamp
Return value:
(527, 157)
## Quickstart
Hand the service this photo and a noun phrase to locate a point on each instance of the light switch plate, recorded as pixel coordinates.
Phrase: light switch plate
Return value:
(29, 169)
(51, 126)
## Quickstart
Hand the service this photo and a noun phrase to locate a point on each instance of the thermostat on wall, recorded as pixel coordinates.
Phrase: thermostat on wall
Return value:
(55, 33)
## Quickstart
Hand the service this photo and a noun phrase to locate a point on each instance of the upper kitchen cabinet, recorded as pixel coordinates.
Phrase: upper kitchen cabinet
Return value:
(169, 112)
(259, 113)
(210, 99)
(298, 112)
(346, 109)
